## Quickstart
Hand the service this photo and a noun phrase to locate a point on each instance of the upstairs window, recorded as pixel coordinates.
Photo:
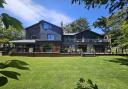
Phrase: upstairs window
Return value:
(34, 37)
(51, 37)
(46, 26)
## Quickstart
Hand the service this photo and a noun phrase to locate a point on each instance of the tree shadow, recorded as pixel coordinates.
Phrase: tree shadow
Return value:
(4, 75)
(121, 61)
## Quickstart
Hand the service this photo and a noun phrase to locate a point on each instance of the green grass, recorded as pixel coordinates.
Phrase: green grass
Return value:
(108, 72)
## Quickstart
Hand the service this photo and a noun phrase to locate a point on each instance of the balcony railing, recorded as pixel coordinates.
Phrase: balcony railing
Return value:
(92, 40)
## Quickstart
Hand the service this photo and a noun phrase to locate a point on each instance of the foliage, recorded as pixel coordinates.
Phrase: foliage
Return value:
(111, 22)
(123, 39)
(7, 23)
(8, 20)
(89, 85)
(118, 27)
(10, 34)
(113, 5)
(112, 27)
(4, 40)
(10, 27)
(48, 46)
(102, 24)
(11, 74)
(77, 26)
(2, 2)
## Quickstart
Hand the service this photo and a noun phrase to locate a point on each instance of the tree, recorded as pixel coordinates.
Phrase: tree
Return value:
(77, 26)
(115, 24)
(8, 20)
(123, 38)
(10, 27)
(10, 34)
(102, 24)
(113, 5)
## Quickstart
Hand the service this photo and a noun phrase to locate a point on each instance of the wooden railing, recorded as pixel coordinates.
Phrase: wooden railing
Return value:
(87, 40)
(93, 40)
(36, 49)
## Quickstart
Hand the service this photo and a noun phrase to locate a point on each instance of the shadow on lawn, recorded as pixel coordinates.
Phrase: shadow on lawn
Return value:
(5, 74)
(121, 61)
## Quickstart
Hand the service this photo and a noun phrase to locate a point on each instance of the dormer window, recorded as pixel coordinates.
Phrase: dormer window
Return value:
(46, 26)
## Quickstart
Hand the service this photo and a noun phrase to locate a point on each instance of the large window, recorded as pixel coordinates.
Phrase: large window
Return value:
(51, 37)
(46, 26)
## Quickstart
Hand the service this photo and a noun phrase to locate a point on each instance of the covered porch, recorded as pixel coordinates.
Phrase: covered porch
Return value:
(35, 46)
(85, 48)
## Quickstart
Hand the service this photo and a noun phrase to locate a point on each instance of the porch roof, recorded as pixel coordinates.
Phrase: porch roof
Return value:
(70, 33)
(23, 41)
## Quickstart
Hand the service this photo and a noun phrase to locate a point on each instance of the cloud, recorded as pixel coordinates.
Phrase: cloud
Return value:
(32, 12)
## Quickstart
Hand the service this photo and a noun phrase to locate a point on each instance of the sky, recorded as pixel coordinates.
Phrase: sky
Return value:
(55, 11)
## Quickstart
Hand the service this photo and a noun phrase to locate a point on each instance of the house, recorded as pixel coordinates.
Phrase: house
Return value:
(45, 37)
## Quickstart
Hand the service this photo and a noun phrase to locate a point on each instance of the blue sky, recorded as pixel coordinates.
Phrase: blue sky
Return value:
(54, 11)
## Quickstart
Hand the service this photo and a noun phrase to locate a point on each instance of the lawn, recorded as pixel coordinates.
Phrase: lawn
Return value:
(108, 72)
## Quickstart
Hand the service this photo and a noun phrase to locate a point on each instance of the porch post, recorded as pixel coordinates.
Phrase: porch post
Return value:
(89, 48)
(76, 47)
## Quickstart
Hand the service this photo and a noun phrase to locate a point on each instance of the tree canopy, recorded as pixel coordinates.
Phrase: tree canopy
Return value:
(7, 20)
(10, 28)
(102, 24)
(113, 5)
(10, 34)
(77, 26)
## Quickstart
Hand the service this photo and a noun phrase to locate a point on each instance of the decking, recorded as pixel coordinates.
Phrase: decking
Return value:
(56, 54)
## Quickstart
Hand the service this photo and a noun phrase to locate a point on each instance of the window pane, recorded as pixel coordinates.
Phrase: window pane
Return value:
(46, 26)
(34, 37)
(51, 37)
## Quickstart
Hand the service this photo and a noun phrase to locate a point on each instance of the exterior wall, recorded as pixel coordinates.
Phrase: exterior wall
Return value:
(53, 30)
(68, 39)
(35, 30)
(84, 41)
(41, 34)
(88, 35)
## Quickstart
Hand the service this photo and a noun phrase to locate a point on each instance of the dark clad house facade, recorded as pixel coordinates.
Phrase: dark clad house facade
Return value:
(45, 37)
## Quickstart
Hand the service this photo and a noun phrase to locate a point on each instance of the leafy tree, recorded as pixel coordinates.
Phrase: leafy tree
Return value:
(115, 25)
(89, 85)
(123, 38)
(102, 24)
(77, 26)
(8, 20)
(10, 34)
(10, 27)
(119, 36)
(113, 5)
